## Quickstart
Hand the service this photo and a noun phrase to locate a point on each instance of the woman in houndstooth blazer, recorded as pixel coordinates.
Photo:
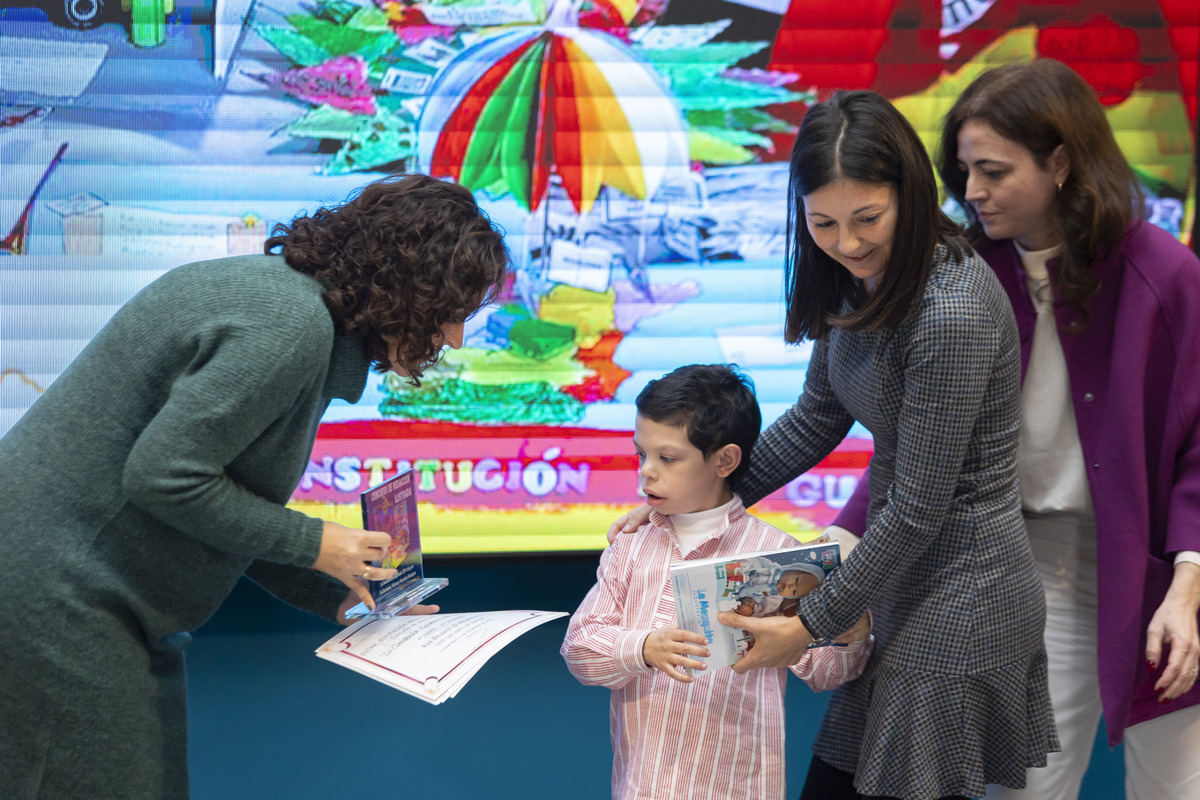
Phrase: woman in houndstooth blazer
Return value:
(1108, 312)
(916, 340)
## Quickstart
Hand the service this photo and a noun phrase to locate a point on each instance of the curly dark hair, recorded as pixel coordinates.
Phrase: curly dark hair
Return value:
(715, 403)
(1040, 106)
(399, 259)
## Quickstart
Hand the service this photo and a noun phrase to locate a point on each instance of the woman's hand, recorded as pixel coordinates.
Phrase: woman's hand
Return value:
(629, 522)
(778, 641)
(668, 648)
(352, 600)
(845, 539)
(1174, 624)
(347, 553)
(860, 631)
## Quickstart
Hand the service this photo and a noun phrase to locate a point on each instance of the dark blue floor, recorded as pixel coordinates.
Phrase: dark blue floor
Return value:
(270, 719)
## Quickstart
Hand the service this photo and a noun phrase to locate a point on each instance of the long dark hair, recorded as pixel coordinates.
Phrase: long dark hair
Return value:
(861, 137)
(1041, 105)
(398, 260)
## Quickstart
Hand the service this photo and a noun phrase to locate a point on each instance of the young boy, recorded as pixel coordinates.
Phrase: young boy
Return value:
(720, 734)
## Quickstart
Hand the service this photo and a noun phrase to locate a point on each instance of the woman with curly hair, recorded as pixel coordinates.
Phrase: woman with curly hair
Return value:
(154, 472)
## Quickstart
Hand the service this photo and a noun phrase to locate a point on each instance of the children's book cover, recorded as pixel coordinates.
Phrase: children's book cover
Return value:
(391, 507)
(762, 584)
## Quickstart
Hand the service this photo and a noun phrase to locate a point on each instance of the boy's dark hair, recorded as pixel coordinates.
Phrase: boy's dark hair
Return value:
(859, 136)
(714, 403)
(401, 258)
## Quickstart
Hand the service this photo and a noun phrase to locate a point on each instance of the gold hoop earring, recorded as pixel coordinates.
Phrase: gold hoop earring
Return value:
(1060, 188)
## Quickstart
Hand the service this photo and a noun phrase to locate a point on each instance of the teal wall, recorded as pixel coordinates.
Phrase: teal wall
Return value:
(268, 719)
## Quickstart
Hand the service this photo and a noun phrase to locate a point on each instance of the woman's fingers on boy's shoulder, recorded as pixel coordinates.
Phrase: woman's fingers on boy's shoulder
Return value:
(629, 522)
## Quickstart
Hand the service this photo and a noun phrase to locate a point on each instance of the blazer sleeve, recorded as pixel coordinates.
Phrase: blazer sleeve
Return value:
(1182, 308)
(949, 361)
(802, 436)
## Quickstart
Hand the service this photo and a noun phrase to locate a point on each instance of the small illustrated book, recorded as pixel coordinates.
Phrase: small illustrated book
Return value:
(391, 507)
(762, 584)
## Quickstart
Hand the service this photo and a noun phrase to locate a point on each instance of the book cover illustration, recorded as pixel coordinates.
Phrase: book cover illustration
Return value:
(391, 507)
(762, 584)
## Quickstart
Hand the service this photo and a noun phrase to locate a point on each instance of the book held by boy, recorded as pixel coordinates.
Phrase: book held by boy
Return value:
(391, 507)
(761, 584)
(429, 656)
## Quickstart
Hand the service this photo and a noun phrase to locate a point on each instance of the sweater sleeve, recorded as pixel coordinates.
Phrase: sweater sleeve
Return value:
(240, 381)
(598, 650)
(301, 587)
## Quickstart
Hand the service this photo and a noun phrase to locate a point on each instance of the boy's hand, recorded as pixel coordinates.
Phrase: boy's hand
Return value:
(861, 630)
(668, 648)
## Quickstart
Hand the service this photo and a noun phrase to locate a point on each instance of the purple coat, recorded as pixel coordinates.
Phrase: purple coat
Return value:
(1135, 385)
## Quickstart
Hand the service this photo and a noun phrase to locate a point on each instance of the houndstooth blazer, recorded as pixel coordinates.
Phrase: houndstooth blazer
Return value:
(945, 565)
(955, 696)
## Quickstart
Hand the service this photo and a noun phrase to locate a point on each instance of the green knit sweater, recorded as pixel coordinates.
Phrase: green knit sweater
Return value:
(167, 449)
(153, 473)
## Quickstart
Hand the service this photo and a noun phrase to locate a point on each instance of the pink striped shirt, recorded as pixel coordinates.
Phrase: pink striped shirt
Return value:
(720, 736)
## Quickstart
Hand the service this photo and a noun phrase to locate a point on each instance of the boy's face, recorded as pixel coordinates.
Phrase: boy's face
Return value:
(674, 475)
(796, 583)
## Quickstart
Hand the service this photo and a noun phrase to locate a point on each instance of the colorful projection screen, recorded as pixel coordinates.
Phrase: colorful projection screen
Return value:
(645, 216)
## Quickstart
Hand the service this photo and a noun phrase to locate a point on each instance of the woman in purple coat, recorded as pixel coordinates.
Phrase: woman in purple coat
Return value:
(1108, 310)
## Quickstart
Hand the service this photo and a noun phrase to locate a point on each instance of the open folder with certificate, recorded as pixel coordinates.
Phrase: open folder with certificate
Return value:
(391, 507)
(429, 656)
